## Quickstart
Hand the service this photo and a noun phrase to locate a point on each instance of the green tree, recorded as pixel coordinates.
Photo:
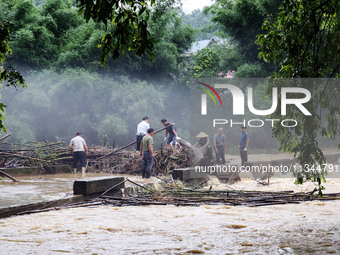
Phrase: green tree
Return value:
(254, 70)
(126, 23)
(304, 40)
(49, 34)
(173, 39)
(80, 47)
(231, 58)
(201, 22)
(242, 20)
(207, 63)
(8, 75)
(64, 17)
(32, 41)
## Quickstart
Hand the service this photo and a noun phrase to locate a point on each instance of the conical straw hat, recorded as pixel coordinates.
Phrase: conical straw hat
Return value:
(201, 135)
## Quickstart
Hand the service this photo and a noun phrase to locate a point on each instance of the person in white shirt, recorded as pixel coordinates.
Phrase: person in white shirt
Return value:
(79, 148)
(142, 130)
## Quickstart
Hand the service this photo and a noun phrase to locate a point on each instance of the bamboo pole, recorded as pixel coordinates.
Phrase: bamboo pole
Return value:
(21, 156)
(9, 176)
(127, 179)
(113, 187)
(113, 152)
(4, 137)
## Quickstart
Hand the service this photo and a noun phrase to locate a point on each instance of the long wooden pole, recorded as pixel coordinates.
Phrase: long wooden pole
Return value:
(113, 152)
(7, 175)
(22, 156)
(4, 137)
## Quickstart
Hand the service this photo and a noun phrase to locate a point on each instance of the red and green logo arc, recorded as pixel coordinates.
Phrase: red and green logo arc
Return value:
(209, 93)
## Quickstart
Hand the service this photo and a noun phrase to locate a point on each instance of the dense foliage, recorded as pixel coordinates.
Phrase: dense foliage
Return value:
(304, 40)
(242, 21)
(54, 47)
(126, 25)
(201, 22)
(53, 35)
(10, 76)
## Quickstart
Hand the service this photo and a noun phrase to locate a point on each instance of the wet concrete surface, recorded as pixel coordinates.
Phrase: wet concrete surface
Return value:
(39, 188)
(42, 188)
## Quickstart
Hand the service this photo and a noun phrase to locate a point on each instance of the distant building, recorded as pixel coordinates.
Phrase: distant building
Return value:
(200, 45)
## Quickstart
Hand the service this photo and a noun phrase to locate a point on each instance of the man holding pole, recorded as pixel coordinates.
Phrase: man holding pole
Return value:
(169, 129)
(146, 150)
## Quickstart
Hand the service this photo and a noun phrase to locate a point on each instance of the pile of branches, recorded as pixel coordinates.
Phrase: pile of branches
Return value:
(191, 197)
(34, 154)
(44, 154)
(173, 194)
(130, 162)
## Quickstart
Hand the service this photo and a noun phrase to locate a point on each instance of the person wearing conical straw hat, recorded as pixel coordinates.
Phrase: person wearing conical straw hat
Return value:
(204, 143)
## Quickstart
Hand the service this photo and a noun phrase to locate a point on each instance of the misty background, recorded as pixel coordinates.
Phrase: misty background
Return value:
(69, 91)
(104, 108)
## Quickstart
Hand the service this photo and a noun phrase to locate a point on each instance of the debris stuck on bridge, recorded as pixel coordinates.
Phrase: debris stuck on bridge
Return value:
(46, 154)
(169, 192)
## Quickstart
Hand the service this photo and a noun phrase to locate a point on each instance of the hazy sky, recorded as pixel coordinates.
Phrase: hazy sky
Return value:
(190, 5)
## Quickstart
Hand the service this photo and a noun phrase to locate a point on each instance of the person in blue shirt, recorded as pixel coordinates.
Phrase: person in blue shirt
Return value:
(244, 142)
(171, 130)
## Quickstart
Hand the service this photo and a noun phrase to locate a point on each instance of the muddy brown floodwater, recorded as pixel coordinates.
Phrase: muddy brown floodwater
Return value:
(311, 227)
(306, 228)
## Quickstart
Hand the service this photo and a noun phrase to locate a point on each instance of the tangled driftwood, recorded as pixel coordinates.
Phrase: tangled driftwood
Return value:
(125, 161)
(130, 162)
(33, 154)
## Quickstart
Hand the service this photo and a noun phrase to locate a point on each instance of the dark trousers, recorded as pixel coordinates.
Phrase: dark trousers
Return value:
(147, 164)
(220, 154)
(171, 139)
(244, 156)
(79, 156)
(139, 140)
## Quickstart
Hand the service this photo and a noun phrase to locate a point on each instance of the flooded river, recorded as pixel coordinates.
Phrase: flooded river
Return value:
(308, 228)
